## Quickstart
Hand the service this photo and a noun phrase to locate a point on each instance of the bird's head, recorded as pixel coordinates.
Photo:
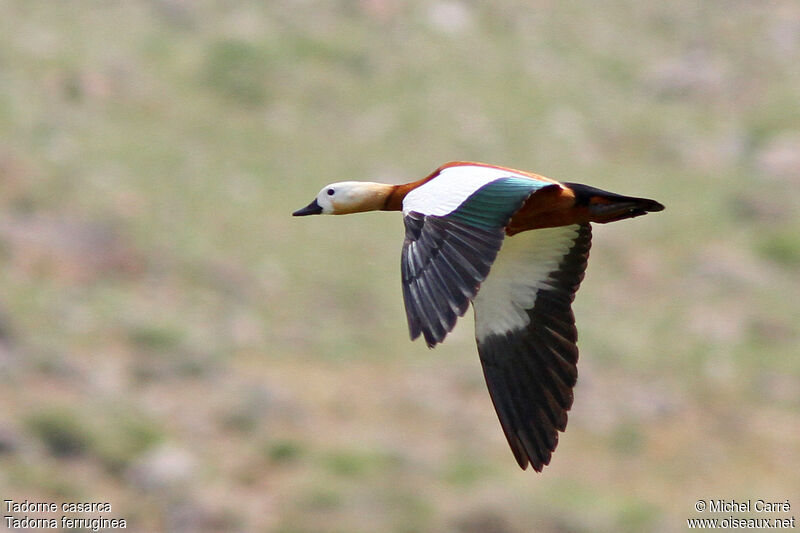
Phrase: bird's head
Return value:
(347, 197)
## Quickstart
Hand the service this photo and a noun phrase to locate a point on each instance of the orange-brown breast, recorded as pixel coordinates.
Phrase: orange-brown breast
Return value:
(549, 207)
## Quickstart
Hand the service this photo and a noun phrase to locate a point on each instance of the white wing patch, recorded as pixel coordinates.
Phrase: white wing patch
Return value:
(522, 267)
(444, 193)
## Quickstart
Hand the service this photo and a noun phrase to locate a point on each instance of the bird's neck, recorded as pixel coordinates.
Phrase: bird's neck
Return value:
(395, 197)
(362, 196)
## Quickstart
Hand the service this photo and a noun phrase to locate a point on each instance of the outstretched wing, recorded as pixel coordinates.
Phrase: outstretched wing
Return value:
(449, 249)
(526, 335)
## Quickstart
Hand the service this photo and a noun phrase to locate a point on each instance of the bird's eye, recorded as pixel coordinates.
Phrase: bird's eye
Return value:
(330, 192)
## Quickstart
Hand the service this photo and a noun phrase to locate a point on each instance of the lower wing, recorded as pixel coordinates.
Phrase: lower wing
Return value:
(526, 335)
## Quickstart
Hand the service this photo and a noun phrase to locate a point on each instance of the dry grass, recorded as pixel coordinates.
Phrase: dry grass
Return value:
(173, 342)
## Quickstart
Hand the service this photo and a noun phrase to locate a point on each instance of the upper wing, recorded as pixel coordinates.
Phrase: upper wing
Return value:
(526, 335)
(442, 266)
(448, 250)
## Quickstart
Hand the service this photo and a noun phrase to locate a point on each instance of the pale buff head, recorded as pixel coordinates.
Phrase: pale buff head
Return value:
(347, 197)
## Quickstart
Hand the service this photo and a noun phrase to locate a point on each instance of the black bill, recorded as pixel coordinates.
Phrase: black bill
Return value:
(311, 209)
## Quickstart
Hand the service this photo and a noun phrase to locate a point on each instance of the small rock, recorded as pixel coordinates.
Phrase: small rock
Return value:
(780, 158)
(163, 468)
(450, 17)
(9, 441)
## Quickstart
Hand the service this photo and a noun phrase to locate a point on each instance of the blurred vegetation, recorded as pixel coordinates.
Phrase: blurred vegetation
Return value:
(173, 342)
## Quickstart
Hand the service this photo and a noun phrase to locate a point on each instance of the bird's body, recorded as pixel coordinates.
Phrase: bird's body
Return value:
(515, 245)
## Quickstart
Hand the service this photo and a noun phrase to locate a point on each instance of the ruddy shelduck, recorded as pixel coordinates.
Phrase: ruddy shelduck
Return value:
(515, 245)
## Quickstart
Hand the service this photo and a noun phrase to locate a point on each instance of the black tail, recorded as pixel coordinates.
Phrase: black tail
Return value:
(607, 206)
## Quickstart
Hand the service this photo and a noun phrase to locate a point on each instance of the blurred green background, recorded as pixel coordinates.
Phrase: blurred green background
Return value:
(174, 342)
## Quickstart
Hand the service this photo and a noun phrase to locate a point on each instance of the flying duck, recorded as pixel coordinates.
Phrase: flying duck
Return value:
(515, 245)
